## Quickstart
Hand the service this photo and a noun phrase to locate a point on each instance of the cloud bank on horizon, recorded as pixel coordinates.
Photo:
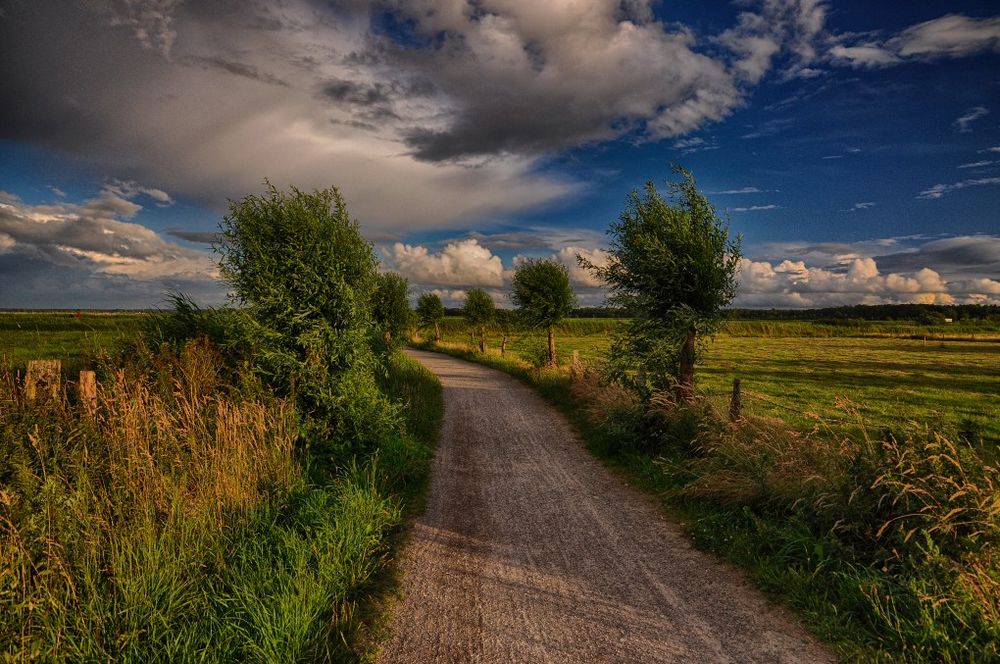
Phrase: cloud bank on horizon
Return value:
(433, 116)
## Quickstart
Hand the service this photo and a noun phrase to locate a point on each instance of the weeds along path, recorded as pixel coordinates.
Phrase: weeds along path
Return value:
(531, 551)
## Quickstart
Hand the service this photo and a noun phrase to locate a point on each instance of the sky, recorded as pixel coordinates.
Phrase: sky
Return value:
(855, 146)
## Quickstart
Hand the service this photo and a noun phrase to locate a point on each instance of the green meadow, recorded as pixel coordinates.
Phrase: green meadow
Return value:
(821, 374)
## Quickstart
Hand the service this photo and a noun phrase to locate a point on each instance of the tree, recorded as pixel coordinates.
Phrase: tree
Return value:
(478, 312)
(391, 309)
(543, 296)
(673, 267)
(430, 312)
(301, 277)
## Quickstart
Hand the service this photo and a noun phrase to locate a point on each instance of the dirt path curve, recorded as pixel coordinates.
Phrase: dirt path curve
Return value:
(531, 551)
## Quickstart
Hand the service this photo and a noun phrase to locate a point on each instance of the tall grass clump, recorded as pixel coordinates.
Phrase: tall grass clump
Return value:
(888, 542)
(179, 521)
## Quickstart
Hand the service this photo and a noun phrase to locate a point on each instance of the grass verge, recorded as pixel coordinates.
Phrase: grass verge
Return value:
(179, 522)
(887, 547)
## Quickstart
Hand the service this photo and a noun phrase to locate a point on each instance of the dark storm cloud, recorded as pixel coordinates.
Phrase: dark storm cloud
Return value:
(357, 93)
(202, 237)
(973, 255)
(32, 282)
(235, 68)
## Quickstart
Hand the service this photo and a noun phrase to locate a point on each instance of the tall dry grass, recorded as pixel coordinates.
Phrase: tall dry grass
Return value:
(179, 523)
(893, 539)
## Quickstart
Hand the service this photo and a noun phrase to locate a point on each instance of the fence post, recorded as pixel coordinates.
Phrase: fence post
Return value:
(574, 367)
(735, 402)
(640, 376)
(88, 391)
(42, 377)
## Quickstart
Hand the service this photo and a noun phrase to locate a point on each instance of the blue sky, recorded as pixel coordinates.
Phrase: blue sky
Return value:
(857, 150)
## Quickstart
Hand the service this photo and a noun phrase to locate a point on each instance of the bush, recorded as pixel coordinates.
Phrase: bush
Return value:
(303, 277)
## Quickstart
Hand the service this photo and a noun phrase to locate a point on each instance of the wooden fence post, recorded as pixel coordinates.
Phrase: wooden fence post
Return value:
(88, 392)
(575, 368)
(735, 402)
(42, 377)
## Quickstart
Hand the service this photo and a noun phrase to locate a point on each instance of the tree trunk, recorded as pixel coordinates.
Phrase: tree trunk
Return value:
(437, 332)
(552, 347)
(685, 385)
(482, 340)
(387, 337)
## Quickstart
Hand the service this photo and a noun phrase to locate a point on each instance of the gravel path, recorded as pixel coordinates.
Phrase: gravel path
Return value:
(531, 551)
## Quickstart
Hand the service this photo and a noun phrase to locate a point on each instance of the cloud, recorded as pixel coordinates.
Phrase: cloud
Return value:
(755, 208)
(695, 144)
(976, 164)
(796, 284)
(91, 79)
(863, 56)
(962, 124)
(529, 78)
(95, 246)
(950, 36)
(580, 276)
(778, 27)
(939, 190)
(743, 190)
(987, 150)
(57, 191)
(860, 206)
(202, 237)
(463, 263)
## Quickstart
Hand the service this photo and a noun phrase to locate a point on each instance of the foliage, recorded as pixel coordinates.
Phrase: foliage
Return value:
(430, 312)
(673, 267)
(542, 293)
(479, 312)
(302, 277)
(391, 308)
(543, 296)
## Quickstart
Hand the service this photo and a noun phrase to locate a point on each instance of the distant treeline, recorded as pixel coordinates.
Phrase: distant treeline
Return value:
(900, 312)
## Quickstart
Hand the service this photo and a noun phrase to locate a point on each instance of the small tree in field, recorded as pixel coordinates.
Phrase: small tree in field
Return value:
(478, 312)
(302, 278)
(673, 267)
(543, 296)
(392, 309)
(430, 312)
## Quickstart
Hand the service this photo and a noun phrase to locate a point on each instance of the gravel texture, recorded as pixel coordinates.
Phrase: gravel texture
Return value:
(531, 551)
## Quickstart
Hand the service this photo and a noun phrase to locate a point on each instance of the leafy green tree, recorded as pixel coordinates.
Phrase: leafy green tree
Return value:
(391, 309)
(673, 267)
(301, 277)
(430, 312)
(478, 312)
(543, 296)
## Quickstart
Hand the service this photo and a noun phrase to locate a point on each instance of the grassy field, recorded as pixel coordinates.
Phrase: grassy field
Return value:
(887, 547)
(803, 372)
(76, 340)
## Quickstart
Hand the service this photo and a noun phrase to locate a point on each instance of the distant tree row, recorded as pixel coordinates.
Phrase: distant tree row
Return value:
(899, 312)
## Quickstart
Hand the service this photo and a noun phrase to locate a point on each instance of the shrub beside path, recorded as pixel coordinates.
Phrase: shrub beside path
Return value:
(531, 551)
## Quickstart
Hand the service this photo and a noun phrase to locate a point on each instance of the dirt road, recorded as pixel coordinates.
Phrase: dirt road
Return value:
(531, 551)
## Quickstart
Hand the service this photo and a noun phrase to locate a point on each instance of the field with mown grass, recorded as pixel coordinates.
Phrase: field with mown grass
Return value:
(822, 374)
